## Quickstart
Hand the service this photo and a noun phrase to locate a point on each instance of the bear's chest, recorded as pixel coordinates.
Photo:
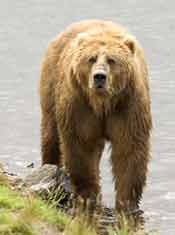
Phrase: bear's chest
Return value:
(88, 126)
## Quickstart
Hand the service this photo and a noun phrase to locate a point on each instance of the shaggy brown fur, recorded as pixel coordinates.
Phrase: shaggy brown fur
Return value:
(78, 116)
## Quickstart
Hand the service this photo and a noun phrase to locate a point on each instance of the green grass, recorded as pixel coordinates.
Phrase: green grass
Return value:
(18, 214)
(9, 199)
(124, 227)
(79, 226)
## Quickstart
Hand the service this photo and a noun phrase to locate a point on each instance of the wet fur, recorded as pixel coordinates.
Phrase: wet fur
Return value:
(76, 121)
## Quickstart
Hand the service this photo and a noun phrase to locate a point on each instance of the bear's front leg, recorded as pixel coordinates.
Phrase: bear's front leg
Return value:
(130, 138)
(129, 165)
(82, 163)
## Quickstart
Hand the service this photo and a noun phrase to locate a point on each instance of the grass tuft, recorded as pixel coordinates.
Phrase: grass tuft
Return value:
(79, 226)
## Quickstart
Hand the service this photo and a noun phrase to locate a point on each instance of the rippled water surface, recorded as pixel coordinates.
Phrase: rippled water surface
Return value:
(25, 29)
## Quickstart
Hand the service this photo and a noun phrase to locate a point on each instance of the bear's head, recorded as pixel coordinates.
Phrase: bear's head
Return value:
(102, 63)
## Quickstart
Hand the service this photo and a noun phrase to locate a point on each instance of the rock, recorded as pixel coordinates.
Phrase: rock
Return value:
(47, 181)
(10, 179)
(50, 182)
(43, 175)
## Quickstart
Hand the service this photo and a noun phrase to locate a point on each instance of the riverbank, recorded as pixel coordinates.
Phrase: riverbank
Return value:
(25, 213)
(28, 214)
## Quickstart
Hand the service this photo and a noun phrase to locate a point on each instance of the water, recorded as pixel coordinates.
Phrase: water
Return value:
(25, 29)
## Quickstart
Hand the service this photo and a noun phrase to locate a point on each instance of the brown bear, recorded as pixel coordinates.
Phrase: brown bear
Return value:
(94, 88)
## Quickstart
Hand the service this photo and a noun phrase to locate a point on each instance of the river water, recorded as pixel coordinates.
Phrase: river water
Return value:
(25, 29)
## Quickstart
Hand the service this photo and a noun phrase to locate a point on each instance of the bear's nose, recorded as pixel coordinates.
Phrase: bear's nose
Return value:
(99, 78)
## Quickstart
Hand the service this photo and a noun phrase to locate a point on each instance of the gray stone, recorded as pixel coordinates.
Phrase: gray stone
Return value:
(50, 182)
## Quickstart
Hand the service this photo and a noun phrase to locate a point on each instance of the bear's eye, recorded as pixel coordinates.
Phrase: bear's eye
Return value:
(111, 61)
(92, 59)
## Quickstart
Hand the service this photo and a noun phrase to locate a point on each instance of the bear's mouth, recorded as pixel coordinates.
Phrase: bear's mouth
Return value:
(100, 89)
(99, 80)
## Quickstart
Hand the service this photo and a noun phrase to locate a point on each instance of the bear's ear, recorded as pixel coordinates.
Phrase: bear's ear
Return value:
(129, 41)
